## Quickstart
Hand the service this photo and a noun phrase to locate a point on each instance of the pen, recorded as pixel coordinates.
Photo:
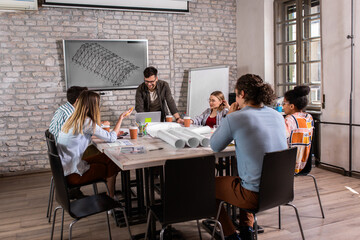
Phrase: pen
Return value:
(160, 148)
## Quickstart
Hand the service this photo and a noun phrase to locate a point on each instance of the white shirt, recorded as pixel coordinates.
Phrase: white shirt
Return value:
(72, 147)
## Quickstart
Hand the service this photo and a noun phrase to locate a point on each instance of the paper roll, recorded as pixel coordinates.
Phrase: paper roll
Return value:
(202, 130)
(171, 139)
(190, 140)
(204, 141)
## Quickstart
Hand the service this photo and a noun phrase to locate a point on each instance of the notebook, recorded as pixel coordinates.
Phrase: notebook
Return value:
(144, 117)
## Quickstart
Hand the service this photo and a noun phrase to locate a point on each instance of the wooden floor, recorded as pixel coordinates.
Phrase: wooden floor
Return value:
(23, 204)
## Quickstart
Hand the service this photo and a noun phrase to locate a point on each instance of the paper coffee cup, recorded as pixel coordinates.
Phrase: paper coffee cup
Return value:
(133, 132)
(106, 127)
(187, 121)
(169, 118)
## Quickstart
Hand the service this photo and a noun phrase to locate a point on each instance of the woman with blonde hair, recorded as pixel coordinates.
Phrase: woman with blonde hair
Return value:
(218, 108)
(75, 137)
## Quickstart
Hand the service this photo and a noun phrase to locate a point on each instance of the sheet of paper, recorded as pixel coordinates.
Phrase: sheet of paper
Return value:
(120, 143)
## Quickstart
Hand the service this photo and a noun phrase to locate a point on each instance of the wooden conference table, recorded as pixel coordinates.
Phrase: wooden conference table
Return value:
(157, 153)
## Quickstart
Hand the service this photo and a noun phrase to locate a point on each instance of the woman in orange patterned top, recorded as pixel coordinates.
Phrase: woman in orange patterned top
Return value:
(299, 124)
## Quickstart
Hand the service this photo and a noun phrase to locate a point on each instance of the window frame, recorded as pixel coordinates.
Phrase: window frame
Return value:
(303, 60)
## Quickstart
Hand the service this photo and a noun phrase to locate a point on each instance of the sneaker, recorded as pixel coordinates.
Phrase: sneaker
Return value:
(260, 229)
(247, 233)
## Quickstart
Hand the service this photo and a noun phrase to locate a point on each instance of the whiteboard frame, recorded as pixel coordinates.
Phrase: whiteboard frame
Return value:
(190, 111)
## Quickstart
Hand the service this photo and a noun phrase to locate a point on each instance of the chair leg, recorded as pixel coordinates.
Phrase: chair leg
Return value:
(256, 227)
(62, 224)
(298, 219)
(53, 224)
(217, 219)
(70, 228)
(318, 195)
(51, 200)
(198, 226)
(279, 217)
(162, 233)
(147, 225)
(127, 222)
(50, 197)
(108, 223)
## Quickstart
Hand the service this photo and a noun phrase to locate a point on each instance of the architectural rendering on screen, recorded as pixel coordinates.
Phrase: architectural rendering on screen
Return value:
(104, 63)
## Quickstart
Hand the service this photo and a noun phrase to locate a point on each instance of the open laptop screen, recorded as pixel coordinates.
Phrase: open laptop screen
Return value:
(144, 117)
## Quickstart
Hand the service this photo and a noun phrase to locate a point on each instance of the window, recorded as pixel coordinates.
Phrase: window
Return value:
(298, 47)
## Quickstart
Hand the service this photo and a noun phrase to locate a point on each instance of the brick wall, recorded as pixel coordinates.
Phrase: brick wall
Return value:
(32, 82)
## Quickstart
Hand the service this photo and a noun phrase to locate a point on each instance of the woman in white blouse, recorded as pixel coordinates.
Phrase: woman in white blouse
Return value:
(75, 137)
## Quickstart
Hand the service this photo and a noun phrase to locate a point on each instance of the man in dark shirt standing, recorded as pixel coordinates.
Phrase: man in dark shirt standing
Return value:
(154, 94)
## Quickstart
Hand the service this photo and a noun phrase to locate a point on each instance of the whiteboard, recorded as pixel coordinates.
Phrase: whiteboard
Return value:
(202, 82)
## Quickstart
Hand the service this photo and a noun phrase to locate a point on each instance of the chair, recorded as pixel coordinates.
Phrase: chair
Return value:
(188, 193)
(50, 141)
(83, 207)
(306, 172)
(276, 184)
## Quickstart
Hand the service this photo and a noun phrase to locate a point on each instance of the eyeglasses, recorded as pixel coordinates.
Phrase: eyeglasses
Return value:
(150, 82)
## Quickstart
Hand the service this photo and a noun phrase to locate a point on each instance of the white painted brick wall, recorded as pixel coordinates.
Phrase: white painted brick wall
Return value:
(32, 83)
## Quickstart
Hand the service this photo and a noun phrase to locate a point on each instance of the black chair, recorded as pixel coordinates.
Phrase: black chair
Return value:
(306, 172)
(50, 141)
(188, 193)
(81, 208)
(276, 184)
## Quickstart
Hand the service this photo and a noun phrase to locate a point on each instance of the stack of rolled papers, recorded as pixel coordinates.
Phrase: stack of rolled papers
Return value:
(178, 137)
(190, 140)
(204, 141)
(171, 139)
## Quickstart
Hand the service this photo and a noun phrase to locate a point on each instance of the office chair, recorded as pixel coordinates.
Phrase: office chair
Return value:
(188, 193)
(83, 207)
(276, 184)
(50, 141)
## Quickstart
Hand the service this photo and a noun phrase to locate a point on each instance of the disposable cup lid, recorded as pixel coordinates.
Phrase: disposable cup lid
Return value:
(187, 117)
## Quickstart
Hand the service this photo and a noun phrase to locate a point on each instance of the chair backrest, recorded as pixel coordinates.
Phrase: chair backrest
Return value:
(50, 141)
(60, 182)
(189, 189)
(277, 179)
(308, 166)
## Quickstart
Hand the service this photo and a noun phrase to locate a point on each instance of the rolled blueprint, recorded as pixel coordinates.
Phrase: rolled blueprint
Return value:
(202, 130)
(171, 139)
(204, 141)
(191, 141)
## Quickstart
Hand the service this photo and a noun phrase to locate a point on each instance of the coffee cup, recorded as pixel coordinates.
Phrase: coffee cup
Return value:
(169, 118)
(106, 127)
(133, 132)
(187, 121)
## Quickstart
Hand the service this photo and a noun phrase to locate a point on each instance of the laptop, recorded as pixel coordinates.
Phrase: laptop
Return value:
(144, 117)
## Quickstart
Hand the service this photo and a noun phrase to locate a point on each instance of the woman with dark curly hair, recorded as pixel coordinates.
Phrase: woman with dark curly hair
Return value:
(299, 124)
(256, 129)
